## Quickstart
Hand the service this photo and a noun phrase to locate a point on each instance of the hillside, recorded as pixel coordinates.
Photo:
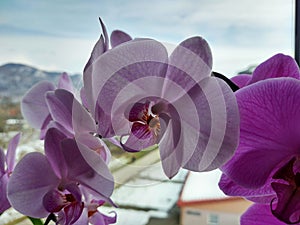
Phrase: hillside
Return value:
(16, 79)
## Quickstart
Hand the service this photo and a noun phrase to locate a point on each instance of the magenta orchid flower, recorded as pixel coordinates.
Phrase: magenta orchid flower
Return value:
(266, 134)
(49, 184)
(35, 107)
(268, 109)
(7, 164)
(265, 167)
(138, 92)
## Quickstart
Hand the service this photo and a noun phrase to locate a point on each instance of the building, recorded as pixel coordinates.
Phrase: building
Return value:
(202, 202)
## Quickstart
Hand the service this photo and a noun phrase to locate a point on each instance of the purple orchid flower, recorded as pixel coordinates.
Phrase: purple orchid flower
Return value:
(91, 214)
(279, 65)
(265, 167)
(50, 184)
(34, 105)
(58, 108)
(7, 164)
(139, 93)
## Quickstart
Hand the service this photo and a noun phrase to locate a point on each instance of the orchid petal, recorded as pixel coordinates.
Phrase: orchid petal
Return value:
(140, 138)
(118, 37)
(265, 194)
(11, 152)
(2, 162)
(219, 132)
(137, 112)
(170, 150)
(60, 103)
(288, 202)
(33, 105)
(70, 214)
(54, 153)
(241, 80)
(104, 31)
(98, 50)
(87, 168)
(82, 122)
(3, 196)
(32, 178)
(65, 82)
(127, 74)
(190, 62)
(84, 128)
(101, 219)
(259, 214)
(61, 128)
(208, 141)
(83, 219)
(277, 66)
(54, 201)
(45, 126)
(265, 130)
(100, 47)
(83, 98)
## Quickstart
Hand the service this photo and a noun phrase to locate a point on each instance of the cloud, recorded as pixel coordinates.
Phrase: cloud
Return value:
(236, 30)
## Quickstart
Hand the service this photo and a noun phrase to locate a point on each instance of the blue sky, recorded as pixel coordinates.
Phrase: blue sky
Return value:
(59, 34)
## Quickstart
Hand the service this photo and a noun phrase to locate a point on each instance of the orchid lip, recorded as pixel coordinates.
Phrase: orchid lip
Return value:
(286, 186)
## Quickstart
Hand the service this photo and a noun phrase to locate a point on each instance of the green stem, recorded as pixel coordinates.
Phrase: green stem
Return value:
(35, 221)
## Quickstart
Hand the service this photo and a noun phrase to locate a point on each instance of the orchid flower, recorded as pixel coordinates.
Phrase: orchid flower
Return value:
(91, 214)
(49, 184)
(138, 92)
(265, 167)
(60, 109)
(7, 164)
(34, 105)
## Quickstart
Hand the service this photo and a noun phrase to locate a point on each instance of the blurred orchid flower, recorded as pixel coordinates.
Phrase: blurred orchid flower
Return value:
(91, 214)
(46, 107)
(50, 184)
(34, 105)
(7, 164)
(139, 93)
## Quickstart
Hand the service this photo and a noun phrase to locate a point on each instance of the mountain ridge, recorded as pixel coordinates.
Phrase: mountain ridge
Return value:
(16, 79)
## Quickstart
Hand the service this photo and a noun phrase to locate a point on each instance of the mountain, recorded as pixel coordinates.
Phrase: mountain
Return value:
(16, 79)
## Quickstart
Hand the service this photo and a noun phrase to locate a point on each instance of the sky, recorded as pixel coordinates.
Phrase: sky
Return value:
(60, 34)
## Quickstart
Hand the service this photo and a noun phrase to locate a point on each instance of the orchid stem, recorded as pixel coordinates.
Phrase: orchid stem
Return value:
(35, 221)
